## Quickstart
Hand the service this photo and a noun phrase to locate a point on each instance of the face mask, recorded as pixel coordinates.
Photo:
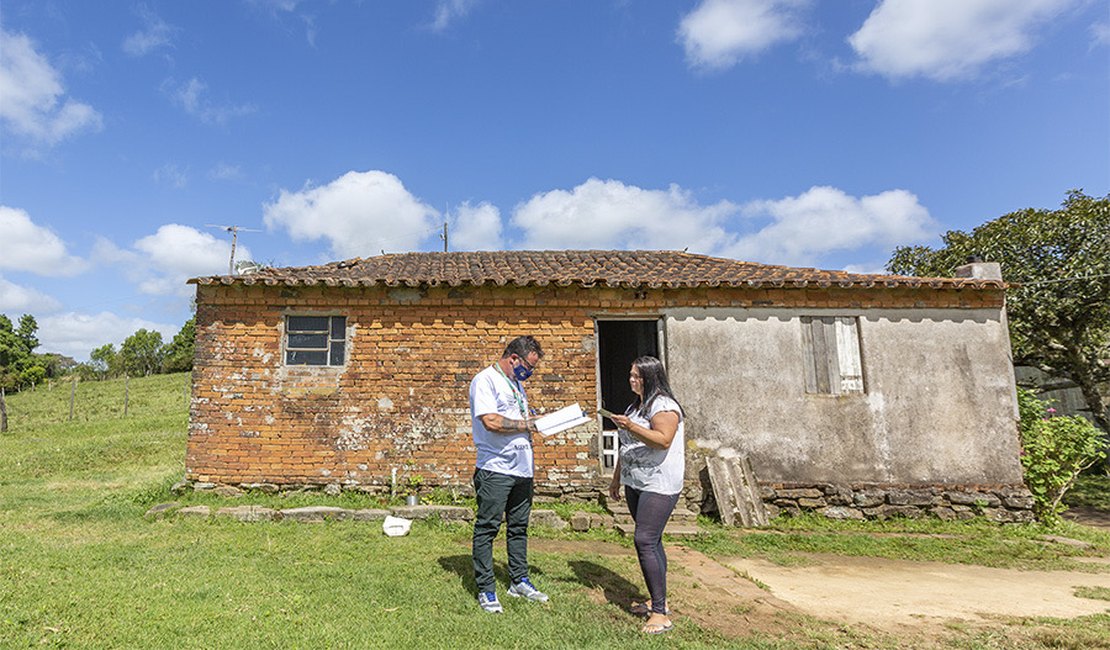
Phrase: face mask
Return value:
(521, 372)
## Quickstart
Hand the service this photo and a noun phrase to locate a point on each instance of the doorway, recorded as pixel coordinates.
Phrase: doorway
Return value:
(619, 343)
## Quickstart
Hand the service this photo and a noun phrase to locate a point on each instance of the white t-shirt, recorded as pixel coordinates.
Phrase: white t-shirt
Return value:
(493, 392)
(647, 468)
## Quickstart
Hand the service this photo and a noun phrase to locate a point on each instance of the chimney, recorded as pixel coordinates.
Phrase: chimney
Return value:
(977, 269)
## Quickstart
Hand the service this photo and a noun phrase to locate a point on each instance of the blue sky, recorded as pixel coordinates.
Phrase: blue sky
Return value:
(780, 131)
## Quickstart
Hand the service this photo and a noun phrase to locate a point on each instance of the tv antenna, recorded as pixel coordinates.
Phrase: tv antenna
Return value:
(234, 230)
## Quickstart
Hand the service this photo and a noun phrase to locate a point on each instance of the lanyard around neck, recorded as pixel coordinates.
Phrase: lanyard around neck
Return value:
(518, 391)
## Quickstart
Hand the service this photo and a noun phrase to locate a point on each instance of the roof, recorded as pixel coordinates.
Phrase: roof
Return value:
(632, 269)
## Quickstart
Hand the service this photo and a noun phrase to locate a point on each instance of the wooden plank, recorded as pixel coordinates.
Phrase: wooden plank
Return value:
(808, 355)
(820, 355)
(719, 479)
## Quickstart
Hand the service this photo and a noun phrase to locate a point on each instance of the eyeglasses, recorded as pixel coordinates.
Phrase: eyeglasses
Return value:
(527, 365)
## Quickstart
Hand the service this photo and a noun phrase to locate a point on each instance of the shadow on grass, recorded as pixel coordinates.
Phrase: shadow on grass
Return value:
(618, 591)
(463, 566)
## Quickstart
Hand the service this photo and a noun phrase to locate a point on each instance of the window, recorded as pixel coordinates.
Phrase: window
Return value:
(608, 451)
(315, 340)
(832, 355)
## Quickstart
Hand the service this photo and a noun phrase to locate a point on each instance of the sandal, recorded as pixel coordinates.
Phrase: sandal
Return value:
(657, 628)
(644, 609)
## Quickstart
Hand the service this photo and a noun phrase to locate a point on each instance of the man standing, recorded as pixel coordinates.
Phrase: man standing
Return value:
(503, 478)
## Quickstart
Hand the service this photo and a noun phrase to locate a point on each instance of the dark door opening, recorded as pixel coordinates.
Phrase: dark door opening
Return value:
(619, 343)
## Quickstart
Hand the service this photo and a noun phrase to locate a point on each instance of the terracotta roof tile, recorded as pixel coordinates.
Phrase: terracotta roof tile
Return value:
(651, 269)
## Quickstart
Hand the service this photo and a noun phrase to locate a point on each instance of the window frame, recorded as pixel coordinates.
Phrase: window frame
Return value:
(330, 350)
(831, 344)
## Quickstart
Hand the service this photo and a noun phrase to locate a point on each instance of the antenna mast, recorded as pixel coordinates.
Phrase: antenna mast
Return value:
(234, 230)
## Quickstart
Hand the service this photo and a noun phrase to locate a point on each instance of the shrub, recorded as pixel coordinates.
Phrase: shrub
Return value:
(1054, 450)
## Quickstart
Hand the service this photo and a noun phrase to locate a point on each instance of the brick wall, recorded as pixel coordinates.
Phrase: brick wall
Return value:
(400, 404)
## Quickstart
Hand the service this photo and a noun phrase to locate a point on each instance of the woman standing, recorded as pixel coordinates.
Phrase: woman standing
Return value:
(651, 466)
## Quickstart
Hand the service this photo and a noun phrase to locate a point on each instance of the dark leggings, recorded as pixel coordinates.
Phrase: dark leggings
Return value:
(651, 511)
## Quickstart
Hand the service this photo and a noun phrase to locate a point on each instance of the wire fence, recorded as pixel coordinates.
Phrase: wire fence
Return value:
(69, 399)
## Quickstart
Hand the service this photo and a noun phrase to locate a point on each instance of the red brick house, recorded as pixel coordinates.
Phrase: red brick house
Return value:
(355, 373)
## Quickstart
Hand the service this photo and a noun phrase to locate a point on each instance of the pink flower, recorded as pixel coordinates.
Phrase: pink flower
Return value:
(1050, 410)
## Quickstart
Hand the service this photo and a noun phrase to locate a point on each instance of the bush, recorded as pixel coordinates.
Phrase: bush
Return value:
(1054, 450)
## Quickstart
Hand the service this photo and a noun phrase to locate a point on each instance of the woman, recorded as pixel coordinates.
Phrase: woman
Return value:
(651, 466)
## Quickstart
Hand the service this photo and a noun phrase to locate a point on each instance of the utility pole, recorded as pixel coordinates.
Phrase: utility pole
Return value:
(444, 236)
(234, 230)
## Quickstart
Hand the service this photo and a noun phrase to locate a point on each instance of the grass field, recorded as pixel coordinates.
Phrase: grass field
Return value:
(80, 567)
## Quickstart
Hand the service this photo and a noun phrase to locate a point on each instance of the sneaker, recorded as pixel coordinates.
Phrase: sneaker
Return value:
(487, 600)
(528, 590)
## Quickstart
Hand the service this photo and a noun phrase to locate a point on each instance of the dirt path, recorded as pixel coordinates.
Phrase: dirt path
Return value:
(891, 594)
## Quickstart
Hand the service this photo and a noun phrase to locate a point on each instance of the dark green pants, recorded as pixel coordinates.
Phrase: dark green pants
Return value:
(501, 495)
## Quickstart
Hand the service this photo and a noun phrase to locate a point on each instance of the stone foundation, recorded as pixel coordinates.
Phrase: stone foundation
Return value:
(1000, 503)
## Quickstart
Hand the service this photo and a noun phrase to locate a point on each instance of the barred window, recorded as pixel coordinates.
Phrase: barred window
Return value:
(315, 340)
(832, 355)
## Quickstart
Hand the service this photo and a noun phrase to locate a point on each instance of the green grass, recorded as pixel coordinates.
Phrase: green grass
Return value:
(81, 568)
(1091, 490)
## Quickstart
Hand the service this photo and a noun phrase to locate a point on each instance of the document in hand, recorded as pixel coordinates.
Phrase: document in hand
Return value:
(561, 420)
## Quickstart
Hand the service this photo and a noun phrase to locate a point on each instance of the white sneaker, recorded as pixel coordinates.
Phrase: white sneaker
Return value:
(526, 589)
(487, 600)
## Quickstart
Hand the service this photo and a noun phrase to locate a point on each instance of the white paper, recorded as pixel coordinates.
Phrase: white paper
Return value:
(561, 420)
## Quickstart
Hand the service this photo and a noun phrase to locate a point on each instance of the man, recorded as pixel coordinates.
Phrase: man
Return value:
(503, 477)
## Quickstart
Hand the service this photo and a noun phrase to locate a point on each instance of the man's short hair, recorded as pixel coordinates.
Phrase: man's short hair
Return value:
(522, 346)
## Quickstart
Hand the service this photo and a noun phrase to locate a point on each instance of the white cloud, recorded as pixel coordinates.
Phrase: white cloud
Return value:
(1100, 33)
(476, 228)
(34, 104)
(18, 299)
(719, 33)
(75, 334)
(192, 96)
(612, 215)
(447, 11)
(155, 34)
(946, 40)
(172, 175)
(825, 219)
(359, 213)
(25, 246)
(176, 253)
(226, 172)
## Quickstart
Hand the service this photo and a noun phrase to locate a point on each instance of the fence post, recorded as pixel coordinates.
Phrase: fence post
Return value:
(126, 393)
(72, 396)
(3, 412)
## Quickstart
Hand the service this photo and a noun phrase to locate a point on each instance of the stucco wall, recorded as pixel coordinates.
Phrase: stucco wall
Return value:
(939, 405)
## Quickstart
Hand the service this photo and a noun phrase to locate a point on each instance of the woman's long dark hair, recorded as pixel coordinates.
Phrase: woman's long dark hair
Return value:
(653, 376)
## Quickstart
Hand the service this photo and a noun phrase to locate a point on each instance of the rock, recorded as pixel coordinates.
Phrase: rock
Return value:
(887, 511)
(598, 520)
(267, 488)
(204, 486)
(973, 499)
(181, 487)
(249, 513)
(800, 493)
(841, 512)
(1018, 502)
(446, 513)
(229, 491)
(161, 510)
(332, 489)
(580, 521)
(804, 502)
(547, 518)
(944, 513)
(365, 515)
(910, 498)
(869, 498)
(838, 496)
(195, 511)
(1066, 541)
(771, 510)
(313, 513)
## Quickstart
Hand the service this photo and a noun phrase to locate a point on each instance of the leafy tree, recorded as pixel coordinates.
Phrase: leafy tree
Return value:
(1059, 313)
(56, 364)
(179, 352)
(104, 361)
(142, 353)
(27, 333)
(10, 346)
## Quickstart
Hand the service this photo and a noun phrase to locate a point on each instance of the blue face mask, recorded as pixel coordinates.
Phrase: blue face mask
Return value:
(521, 372)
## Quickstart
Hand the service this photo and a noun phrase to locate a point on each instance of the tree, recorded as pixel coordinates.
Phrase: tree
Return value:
(104, 361)
(179, 352)
(142, 353)
(1059, 312)
(28, 328)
